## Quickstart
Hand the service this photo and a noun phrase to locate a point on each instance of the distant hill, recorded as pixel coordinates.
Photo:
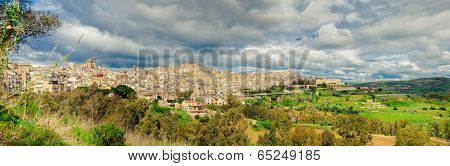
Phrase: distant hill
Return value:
(417, 86)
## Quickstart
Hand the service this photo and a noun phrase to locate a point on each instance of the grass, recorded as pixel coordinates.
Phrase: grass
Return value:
(254, 134)
(82, 135)
(411, 116)
(262, 124)
(19, 132)
(382, 140)
(409, 108)
(184, 116)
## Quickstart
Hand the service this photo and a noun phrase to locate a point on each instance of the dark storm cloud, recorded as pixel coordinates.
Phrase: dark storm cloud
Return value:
(358, 39)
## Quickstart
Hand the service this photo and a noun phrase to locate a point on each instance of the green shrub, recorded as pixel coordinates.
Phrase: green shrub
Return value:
(108, 135)
(440, 129)
(124, 92)
(354, 130)
(84, 136)
(16, 132)
(31, 135)
(412, 136)
(8, 116)
(6, 133)
(158, 109)
(183, 116)
(304, 136)
(328, 138)
(263, 124)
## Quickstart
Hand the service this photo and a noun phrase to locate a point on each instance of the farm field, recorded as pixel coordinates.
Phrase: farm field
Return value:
(412, 109)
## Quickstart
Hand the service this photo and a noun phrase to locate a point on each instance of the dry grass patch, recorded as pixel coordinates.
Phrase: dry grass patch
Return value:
(253, 135)
(382, 140)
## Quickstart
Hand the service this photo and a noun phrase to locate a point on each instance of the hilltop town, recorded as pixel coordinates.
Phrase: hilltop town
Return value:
(204, 84)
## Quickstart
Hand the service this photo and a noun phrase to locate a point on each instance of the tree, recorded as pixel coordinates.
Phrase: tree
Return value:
(19, 23)
(252, 111)
(328, 138)
(272, 138)
(379, 90)
(233, 101)
(304, 136)
(128, 114)
(322, 85)
(412, 136)
(34, 23)
(108, 135)
(10, 30)
(95, 107)
(440, 129)
(354, 129)
(279, 133)
(224, 130)
(162, 126)
(124, 92)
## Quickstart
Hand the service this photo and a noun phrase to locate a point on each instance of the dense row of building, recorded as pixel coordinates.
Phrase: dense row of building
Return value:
(207, 84)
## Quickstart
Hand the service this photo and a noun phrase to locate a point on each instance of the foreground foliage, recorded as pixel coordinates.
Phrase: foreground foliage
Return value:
(411, 136)
(16, 132)
(108, 135)
(97, 117)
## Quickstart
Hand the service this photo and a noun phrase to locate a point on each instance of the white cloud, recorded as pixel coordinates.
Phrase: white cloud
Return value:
(331, 36)
(358, 39)
(339, 72)
(95, 40)
(354, 18)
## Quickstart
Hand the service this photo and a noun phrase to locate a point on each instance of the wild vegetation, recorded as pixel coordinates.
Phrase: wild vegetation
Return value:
(94, 116)
(437, 87)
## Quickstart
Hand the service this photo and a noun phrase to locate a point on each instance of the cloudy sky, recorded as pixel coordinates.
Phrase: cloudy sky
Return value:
(355, 40)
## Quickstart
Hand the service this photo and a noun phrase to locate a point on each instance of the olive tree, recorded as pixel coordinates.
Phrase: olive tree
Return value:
(19, 23)
(412, 136)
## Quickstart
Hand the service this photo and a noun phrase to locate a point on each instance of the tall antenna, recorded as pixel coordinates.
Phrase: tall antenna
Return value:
(66, 57)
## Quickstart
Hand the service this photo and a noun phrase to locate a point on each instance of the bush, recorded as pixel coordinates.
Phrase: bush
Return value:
(82, 135)
(304, 136)
(272, 138)
(228, 129)
(263, 124)
(128, 113)
(6, 134)
(412, 136)
(432, 108)
(14, 131)
(355, 130)
(395, 108)
(8, 116)
(124, 92)
(442, 109)
(31, 135)
(328, 138)
(440, 129)
(108, 135)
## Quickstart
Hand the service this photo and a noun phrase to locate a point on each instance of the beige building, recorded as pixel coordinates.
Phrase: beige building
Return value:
(329, 82)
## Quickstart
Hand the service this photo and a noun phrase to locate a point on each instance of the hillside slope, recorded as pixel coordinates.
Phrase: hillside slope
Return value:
(417, 86)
